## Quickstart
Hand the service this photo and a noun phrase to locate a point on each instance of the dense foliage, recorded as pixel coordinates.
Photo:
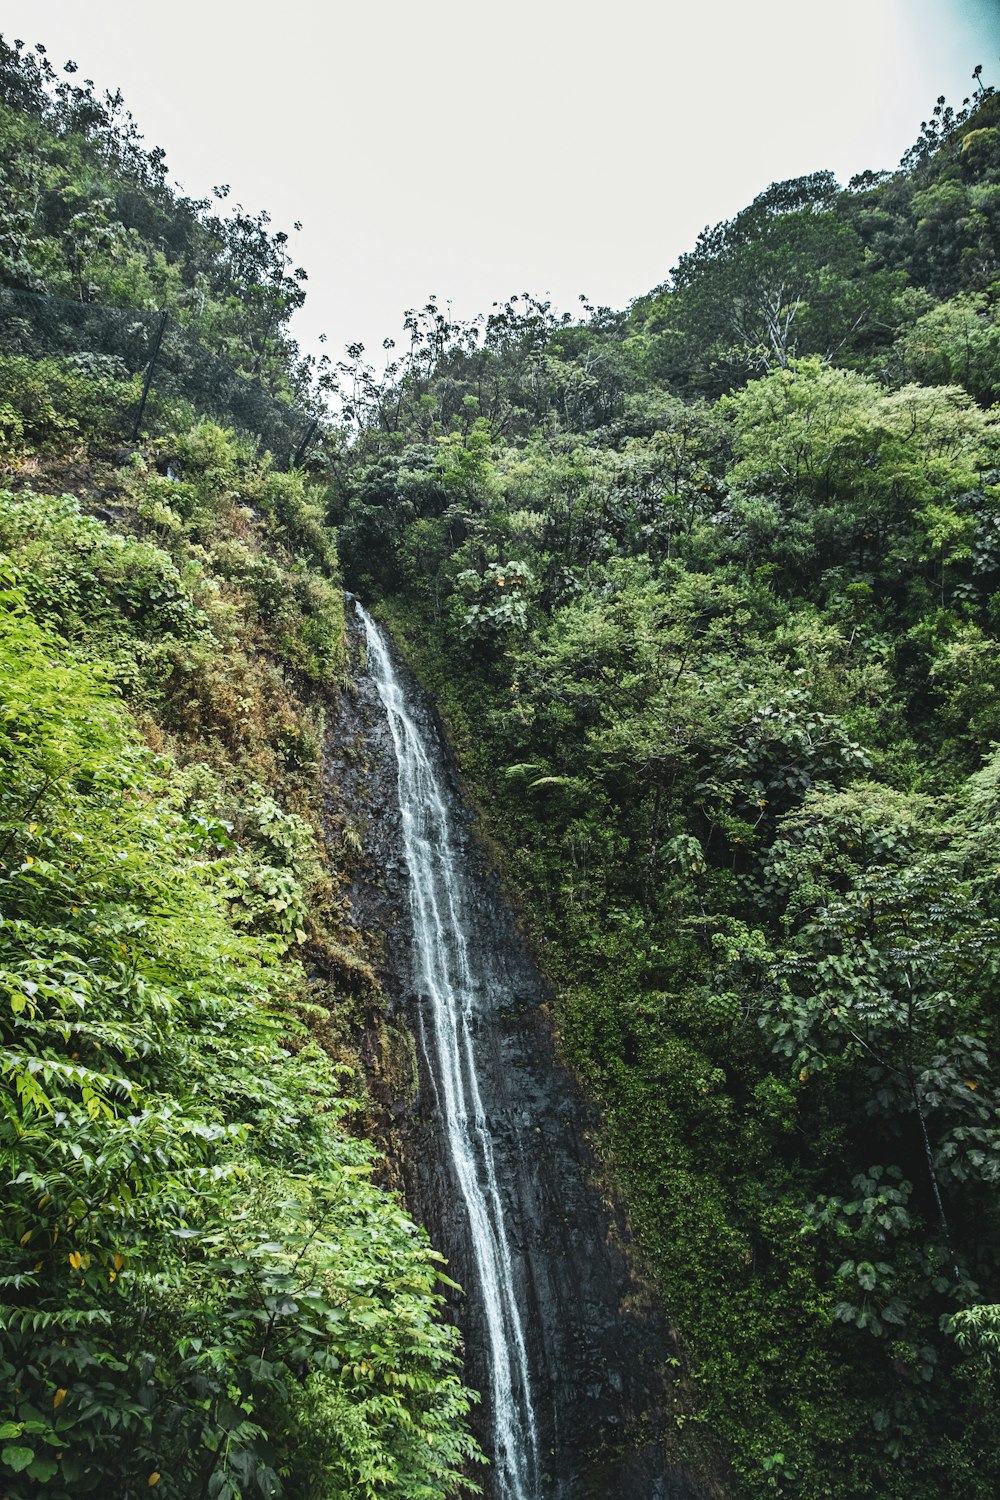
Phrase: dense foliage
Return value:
(202, 1289)
(203, 1292)
(709, 592)
(105, 268)
(86, 212)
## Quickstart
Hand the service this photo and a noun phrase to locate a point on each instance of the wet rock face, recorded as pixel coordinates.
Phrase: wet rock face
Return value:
(596, 1347)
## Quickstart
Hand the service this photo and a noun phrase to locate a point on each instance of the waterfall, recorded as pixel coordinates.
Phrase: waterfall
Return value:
(447, 988)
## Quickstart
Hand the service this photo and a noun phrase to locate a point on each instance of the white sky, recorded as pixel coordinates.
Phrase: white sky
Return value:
(473, 150)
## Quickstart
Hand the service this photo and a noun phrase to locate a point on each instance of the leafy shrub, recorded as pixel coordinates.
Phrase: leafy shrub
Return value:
(84, 577)
(48, 402)
(201, 1290)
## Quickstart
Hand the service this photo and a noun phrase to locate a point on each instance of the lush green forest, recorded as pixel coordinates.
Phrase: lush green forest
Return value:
(203, 1291)
(708, 591)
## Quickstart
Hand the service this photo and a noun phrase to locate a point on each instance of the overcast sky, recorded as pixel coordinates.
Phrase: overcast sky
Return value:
(474, 150)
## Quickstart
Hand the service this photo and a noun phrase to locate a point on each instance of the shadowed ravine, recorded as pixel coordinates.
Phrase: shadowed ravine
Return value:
(568, 1356)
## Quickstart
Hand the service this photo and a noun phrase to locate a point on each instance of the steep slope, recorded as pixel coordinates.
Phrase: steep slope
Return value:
(566, 1343)
(706, 591)
(708, 602)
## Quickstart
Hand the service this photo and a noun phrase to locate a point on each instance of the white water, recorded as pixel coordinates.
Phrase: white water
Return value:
(445, 979)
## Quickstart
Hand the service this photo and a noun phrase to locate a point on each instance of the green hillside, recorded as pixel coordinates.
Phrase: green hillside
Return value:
(708, 591)
(203, 1291)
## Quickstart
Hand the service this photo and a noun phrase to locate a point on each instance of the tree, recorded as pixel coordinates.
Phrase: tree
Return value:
(786, 276)
(840, 464)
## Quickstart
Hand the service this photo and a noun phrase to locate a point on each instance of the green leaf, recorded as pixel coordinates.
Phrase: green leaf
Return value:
(43, 1468)
(16, 1457)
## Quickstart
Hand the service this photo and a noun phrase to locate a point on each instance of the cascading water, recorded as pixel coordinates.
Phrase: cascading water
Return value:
(449, 991)
(568, 1348)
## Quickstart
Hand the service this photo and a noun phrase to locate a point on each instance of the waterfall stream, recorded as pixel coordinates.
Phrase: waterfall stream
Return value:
(568, 1348)
(449, 990)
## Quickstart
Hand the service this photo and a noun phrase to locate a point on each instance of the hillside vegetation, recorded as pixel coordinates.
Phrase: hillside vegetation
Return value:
(709, 593)
(203, 1292)
(709, 590)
